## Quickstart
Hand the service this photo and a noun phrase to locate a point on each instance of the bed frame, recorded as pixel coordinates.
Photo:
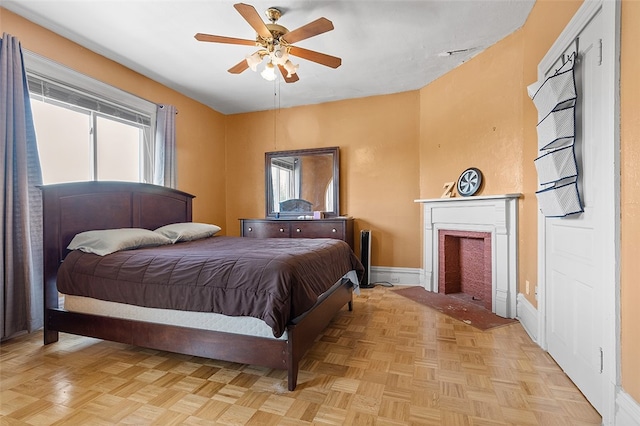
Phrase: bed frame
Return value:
(75, 207)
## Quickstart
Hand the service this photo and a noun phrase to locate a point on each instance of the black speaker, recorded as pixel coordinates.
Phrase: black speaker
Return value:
(365, 258)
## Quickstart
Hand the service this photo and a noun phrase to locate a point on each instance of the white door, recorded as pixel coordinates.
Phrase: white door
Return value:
(575, 275)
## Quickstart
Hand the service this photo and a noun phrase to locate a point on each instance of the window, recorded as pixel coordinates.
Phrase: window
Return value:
(283, 174)
(328, 196)
(87, 130)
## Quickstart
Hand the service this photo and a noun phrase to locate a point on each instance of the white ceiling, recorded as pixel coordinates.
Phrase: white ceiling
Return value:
(386, 46)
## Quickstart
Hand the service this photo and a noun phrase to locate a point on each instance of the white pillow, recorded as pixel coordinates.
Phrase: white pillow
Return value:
(188, 231)
(108, 241)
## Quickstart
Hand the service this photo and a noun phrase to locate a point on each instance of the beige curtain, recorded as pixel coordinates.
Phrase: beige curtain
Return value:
(21, 211)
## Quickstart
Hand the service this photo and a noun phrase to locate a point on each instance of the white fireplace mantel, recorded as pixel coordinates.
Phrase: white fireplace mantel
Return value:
(496, 214)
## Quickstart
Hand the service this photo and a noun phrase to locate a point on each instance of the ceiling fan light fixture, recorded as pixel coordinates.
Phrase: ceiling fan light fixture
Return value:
(253, 61)
(279, 55)
(269, 72)
(291, 68)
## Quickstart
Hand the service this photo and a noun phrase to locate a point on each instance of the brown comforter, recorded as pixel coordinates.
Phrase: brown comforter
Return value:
(272, 279)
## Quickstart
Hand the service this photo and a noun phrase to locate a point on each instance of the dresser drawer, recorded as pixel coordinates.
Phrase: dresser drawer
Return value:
(339, 228)
(318, 229)
(265, 229)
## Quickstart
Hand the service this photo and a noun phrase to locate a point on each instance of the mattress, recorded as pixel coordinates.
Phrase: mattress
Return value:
(245, 325)
(249, 326)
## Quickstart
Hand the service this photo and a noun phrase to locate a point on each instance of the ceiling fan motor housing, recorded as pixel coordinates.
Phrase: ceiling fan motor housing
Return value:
(276, 31)
(276, 48)
(273, 14)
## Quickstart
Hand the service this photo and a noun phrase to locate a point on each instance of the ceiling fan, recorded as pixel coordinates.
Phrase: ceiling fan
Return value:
(275, 43)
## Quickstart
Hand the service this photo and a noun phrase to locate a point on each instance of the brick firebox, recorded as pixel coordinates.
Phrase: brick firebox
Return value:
(464, 262)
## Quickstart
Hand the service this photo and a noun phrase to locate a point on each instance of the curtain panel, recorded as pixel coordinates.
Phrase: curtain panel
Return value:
(165, 146)
(21, 297)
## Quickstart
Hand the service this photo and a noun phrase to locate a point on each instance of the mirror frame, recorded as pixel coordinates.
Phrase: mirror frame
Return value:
(334, 151)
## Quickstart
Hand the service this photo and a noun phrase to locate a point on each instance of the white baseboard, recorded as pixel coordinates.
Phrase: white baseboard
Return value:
(528, 316)
(400, 276)
(627, 410)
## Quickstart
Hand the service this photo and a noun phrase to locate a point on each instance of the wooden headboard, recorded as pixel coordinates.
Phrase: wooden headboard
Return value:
(70, 208)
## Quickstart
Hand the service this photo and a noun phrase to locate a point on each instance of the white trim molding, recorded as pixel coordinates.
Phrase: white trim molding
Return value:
(627, 410)
(400, 276)
(46, 68)
(527, 314)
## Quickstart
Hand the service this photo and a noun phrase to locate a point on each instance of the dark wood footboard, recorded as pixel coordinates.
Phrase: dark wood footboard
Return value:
(271, 353)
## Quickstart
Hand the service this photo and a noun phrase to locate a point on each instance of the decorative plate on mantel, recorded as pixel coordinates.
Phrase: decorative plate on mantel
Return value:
(469, 182)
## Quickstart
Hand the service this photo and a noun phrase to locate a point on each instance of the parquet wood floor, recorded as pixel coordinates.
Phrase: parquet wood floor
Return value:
(389, 362)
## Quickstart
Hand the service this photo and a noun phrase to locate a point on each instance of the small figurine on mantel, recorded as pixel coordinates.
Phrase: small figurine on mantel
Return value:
(448, 190)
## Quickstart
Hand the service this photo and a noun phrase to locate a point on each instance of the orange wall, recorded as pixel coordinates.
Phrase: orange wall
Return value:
(630, 197)
(479, 115)
(378, 140)
(471, 117)
(316, 175)
(200, 130)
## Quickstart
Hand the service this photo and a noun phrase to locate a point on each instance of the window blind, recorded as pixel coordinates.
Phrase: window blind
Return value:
(49, 90)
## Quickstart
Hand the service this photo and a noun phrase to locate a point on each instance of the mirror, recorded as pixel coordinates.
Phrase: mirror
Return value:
(301, 182)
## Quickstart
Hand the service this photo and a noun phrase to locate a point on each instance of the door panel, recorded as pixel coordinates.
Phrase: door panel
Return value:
(574, 245)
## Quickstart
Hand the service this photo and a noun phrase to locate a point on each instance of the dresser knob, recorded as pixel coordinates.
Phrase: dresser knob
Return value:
(334, 230)
(250, 229)
(298, 230)
(281, 229)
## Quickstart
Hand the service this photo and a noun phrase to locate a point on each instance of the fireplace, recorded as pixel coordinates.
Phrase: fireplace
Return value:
(486, 226)
(464, 263)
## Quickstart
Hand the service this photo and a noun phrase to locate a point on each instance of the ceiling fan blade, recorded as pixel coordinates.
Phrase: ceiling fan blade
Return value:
(319, 26)
(222, 39)
(312, 55)
(239, 67)
(250, 15)
(292, 79)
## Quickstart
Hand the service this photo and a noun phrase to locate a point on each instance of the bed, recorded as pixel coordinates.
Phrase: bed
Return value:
(70, 209)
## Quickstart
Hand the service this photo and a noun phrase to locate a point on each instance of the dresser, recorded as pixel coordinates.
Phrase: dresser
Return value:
(340, 228)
